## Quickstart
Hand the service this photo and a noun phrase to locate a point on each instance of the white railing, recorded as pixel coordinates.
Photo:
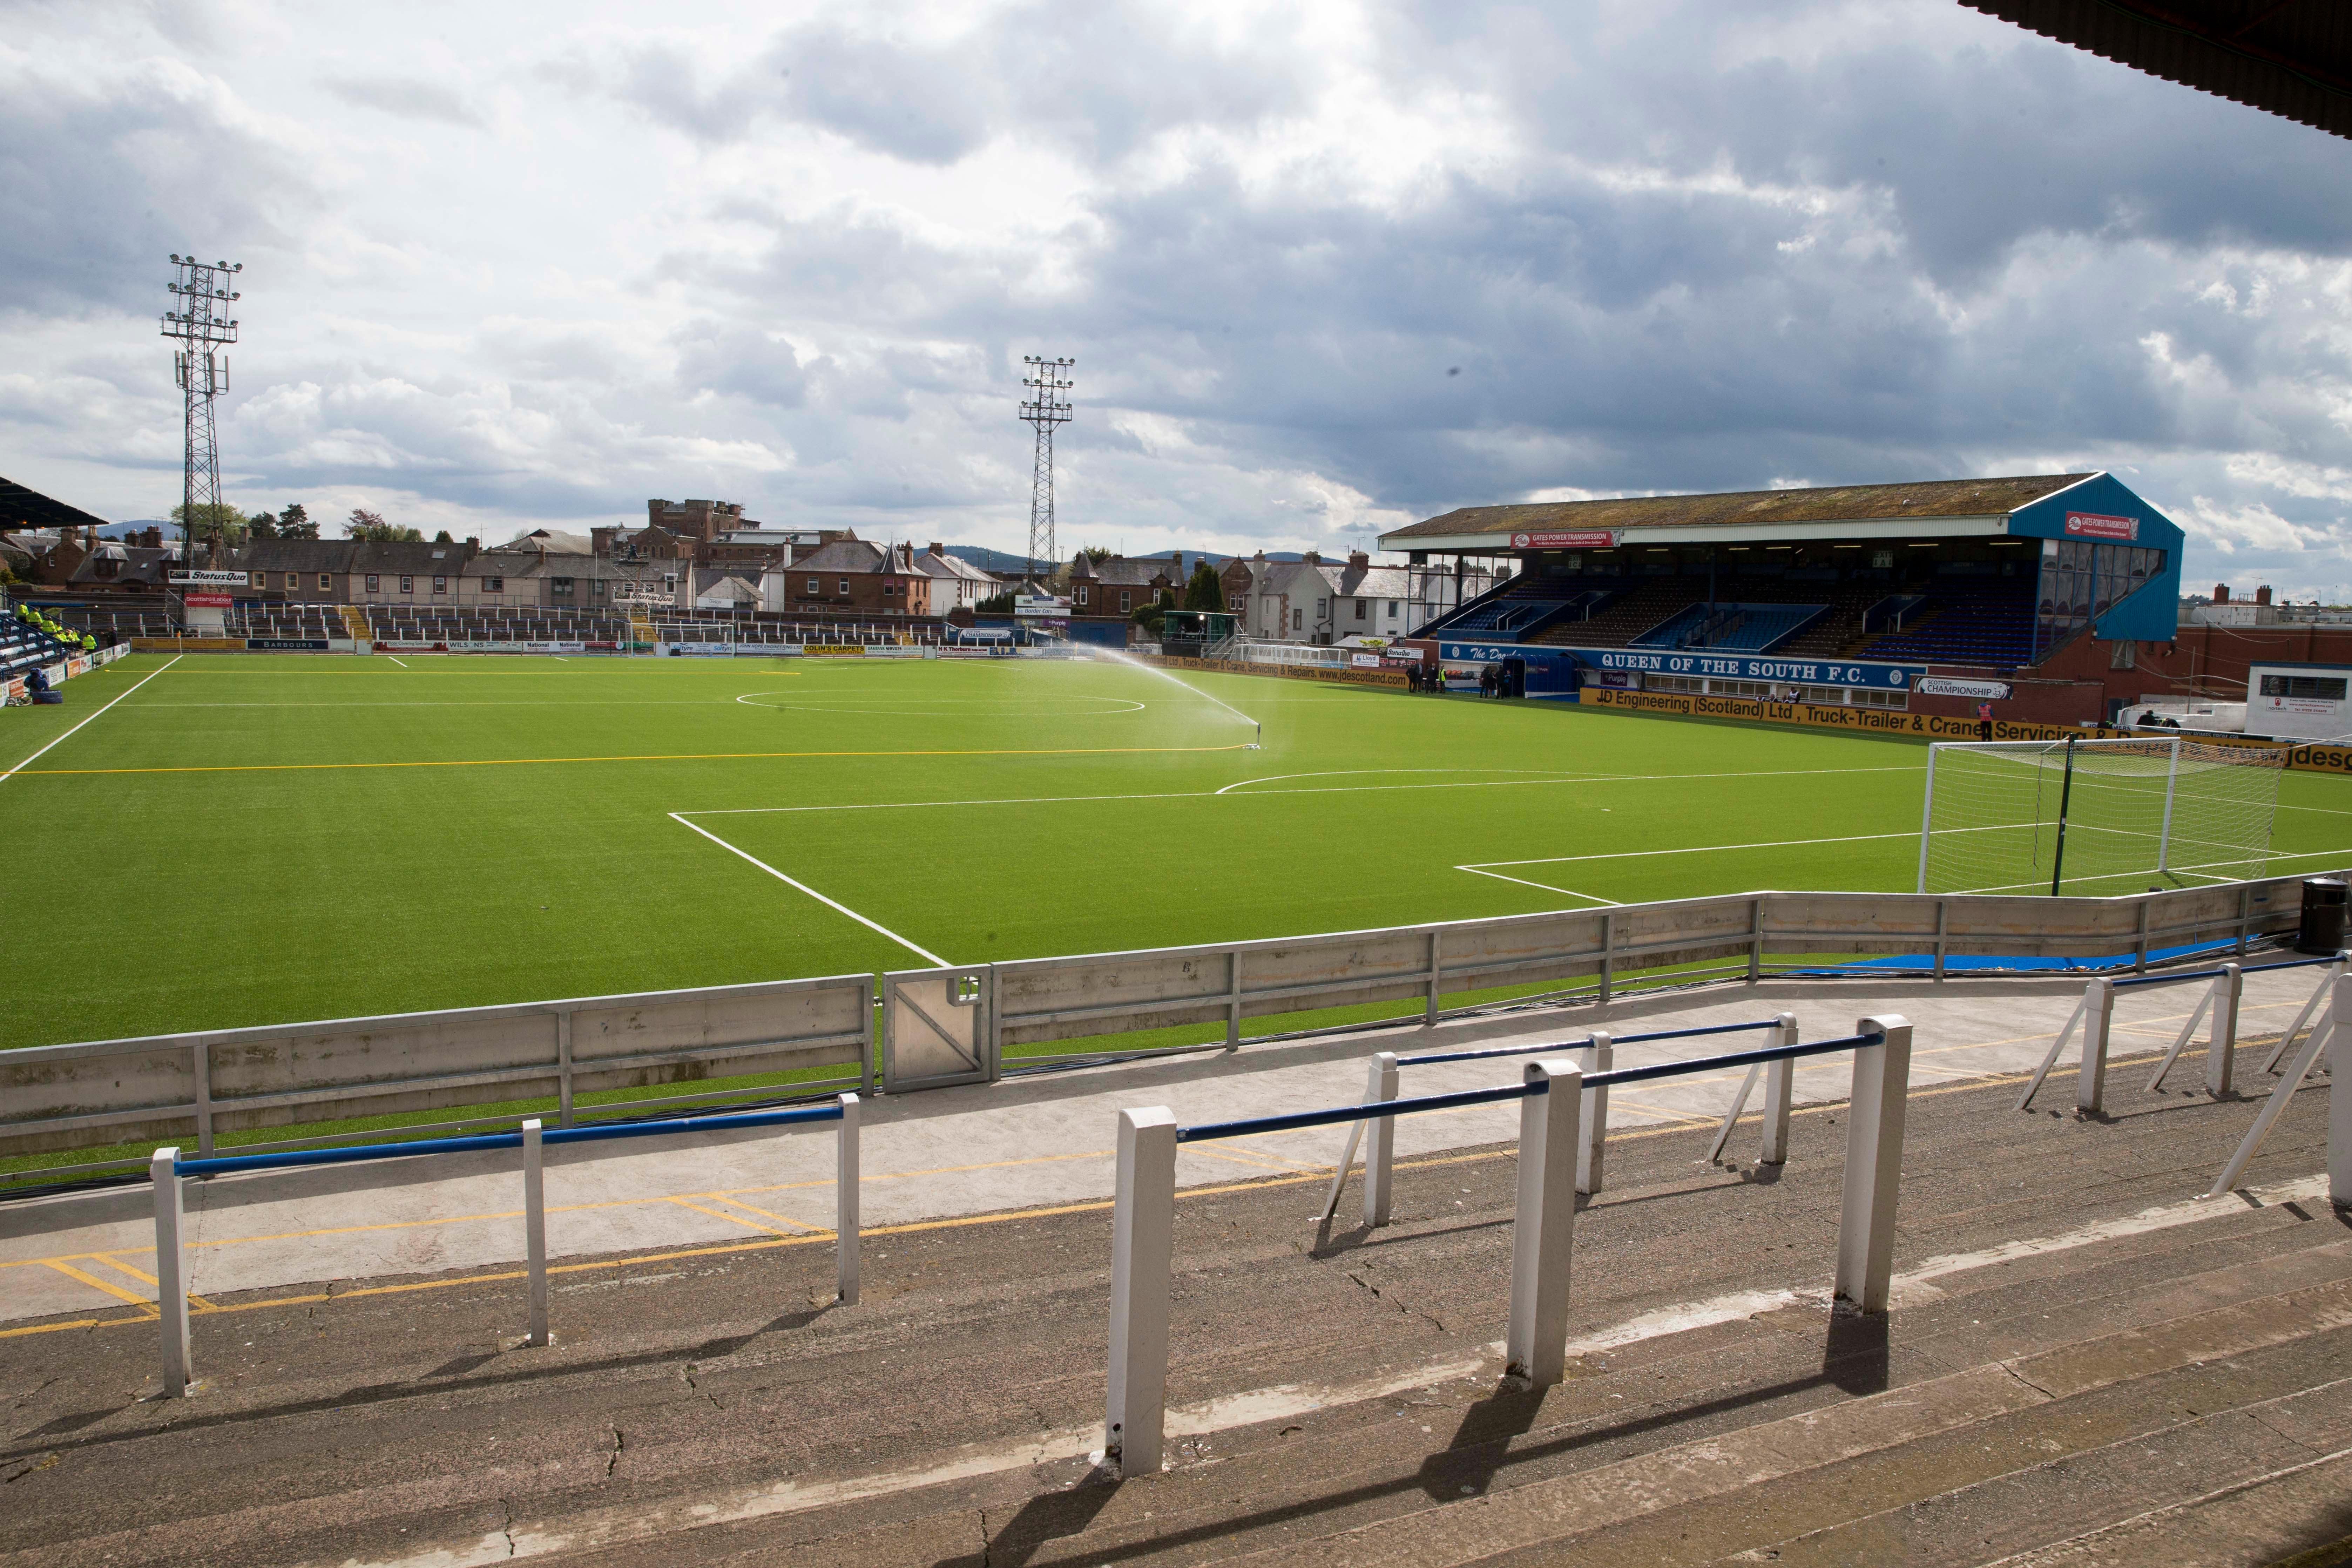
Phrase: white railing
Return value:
(2095, 1014)
(1553, 1103)
(167, 1171)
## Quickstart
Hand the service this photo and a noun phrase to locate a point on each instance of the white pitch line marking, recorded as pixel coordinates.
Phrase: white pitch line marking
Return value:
(1547, 887)
(1696, 849)
(811, 892)
(1331, 789)
(1542, 776)
(69, 735)
(397, 659)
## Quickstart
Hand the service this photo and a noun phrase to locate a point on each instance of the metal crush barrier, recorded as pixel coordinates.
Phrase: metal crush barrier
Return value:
(1551, 1097)
(167, 1171)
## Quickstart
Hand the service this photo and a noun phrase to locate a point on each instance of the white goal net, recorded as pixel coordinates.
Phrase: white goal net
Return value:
(2095, 818)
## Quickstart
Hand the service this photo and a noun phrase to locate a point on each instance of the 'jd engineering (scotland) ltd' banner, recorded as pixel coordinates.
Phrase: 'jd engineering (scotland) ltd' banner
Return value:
(2327, 759)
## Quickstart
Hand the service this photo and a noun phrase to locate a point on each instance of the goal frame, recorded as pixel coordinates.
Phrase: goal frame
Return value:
(2140, 744)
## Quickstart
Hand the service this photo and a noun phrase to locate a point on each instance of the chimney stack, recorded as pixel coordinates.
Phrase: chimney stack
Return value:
(1358, 558)
(1313, 558)
(938, 549)
(2221, 593)
(2263, 595)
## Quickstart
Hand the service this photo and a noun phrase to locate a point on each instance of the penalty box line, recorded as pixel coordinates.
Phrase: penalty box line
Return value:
(876, 926)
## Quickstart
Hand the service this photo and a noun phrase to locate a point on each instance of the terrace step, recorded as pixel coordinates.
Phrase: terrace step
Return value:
(1751, 1405)
(947, 1419)
(1836, 1472)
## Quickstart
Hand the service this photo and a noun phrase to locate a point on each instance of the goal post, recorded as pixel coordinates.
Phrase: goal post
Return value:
(2095, 817)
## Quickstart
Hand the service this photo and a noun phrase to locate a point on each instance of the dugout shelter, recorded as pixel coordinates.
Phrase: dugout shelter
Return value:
(1933, 595)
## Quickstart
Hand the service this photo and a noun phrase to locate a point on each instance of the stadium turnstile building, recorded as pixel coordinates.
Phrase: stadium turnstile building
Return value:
(1946, 591)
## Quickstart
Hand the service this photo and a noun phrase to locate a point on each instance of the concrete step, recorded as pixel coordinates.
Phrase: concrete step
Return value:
(959, 1401)
(2293, 1518)
(1679, 1504)
(1343, 1471)
(2094, 1491)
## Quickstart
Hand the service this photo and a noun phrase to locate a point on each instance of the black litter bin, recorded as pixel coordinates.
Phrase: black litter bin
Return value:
(2322, 931)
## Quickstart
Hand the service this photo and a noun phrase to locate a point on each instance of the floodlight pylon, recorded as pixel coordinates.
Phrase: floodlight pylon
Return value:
(202, 324)
(1049, 377)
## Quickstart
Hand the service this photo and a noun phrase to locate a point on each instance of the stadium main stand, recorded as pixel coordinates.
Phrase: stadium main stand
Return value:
(1844, 589)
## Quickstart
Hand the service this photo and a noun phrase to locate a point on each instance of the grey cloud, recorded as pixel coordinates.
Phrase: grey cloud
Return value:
(408, 98)
(102, 181)
(740, 361)
(1100, 80)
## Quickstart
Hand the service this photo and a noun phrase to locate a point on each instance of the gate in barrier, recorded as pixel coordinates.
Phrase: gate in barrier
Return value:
(937, 1028)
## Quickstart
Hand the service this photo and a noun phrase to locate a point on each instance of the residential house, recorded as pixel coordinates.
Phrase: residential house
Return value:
(854, 576)
(956, 583)
(1315, 601)
(1120, 586)
(125, 568)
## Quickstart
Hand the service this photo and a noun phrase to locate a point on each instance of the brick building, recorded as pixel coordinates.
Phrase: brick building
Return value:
(854, 576)
(1120, 586)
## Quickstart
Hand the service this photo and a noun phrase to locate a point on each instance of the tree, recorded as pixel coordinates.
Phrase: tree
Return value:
(1205, 590)
(295, 522)
(1155, 614)
(995, 604)
(1097, 554)
(443, 538)
(261, 525)
(211, 518)
(370, 526)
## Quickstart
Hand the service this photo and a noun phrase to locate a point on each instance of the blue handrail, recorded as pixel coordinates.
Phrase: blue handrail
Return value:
(297, 1157)
(2181, 974)
(1379, 1108)
(2209, 973)
(1575, 1045)
(2294, 964)
(1731, 1060)
(1209, 1130)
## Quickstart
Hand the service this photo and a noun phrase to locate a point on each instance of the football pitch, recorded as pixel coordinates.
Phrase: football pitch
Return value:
(215, 841)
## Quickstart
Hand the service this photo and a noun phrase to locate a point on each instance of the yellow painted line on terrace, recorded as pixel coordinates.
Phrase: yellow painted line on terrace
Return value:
(646, 757)
(1005, 1217)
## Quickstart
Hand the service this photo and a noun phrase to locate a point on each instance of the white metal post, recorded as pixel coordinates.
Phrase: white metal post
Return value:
(2339, 992)
(846, 1179)
(1780, 1090)
(170, 1273)
(2221, 1046)
(1873, 1163)
(1380, 1134)
(2171, 783)
(1927, 812)
(1143, 1237)
(534, 1229)
(1543, 1236)
(2343, 965)
(2339, 1096)
(1600, 1056)
(2098, 1012)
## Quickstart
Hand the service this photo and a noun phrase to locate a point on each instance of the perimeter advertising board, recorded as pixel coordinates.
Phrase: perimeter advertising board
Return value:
(1558, 672)
(2328, 759)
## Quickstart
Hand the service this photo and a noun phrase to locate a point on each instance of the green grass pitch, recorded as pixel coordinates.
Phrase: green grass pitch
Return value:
(249, 839)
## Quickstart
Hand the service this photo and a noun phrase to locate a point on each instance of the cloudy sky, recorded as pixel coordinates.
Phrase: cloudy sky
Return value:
(1325, 268)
